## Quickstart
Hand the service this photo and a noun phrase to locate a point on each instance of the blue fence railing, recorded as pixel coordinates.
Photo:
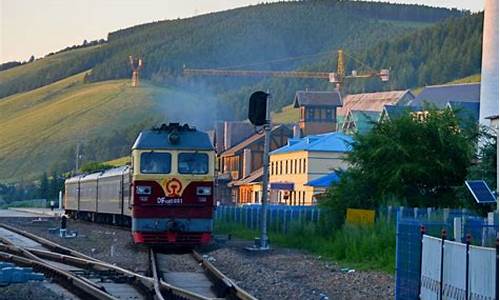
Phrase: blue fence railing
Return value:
(279, 217)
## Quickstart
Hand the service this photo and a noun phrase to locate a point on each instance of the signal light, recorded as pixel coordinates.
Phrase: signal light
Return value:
(257, 108)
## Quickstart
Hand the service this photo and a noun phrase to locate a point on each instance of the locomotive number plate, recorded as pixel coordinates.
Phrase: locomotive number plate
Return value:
(169, 201)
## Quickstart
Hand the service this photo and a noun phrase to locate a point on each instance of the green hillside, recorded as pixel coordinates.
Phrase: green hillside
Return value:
(47, 70)
(433, 55)
(247, 35)
(39, 129)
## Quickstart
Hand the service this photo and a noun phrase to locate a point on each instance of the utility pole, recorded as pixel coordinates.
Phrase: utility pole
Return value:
(77, 158)
(264, 240)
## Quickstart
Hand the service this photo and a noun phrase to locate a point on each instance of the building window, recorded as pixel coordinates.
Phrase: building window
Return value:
(329, 114)
(286, 166)
(281, 167)
(310, 114)
(304, 164)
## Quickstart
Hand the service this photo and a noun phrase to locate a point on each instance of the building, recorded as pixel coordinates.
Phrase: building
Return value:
(358, 121)
(360, 111)
(440, 95)
(318, 111)
(489, 64)
(303, 160)
(230, 133)
(240, 166)
(392, 112)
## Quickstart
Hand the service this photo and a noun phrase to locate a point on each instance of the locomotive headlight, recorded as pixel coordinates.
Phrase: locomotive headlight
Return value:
(204, 191)
(143, 190)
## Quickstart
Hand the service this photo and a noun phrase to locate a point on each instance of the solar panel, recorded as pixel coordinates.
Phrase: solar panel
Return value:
(480, 191)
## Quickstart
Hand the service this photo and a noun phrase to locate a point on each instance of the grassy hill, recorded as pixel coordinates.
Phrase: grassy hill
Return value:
(246, 35)
(46, 109)
(39, 128)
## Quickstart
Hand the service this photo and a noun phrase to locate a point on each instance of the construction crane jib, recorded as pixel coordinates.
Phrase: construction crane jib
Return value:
(337, 78)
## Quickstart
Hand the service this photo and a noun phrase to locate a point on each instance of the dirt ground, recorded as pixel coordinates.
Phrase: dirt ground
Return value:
(278, 274)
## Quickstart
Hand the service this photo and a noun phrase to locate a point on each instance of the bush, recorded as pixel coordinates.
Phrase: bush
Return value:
(92, 167)
(358, 246)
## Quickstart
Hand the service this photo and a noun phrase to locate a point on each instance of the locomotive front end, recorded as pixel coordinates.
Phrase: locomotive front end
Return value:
(172, 186)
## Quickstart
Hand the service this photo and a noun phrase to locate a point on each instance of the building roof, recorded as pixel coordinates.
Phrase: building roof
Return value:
(371, 101)
(465, 110)
(440, 95)
(364, 120)
(395, 111)
(324, 181)
(254, 177)
(326, 142)
(317, 98)
(158, 138)
(252, 139)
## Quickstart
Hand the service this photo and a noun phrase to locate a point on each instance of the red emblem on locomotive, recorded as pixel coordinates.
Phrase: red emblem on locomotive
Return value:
(174, 187)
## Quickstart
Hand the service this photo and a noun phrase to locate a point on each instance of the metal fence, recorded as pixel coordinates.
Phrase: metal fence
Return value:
(458, 224)
(279, 217)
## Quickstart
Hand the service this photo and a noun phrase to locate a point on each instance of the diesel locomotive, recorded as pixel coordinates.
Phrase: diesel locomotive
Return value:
(165, 195)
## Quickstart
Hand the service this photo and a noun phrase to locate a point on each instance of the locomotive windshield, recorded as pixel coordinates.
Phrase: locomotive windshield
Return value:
(193, 163)
(155, 163)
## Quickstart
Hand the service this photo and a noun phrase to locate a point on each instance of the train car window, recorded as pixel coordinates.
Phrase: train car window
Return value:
(193, 163)
(155, 163)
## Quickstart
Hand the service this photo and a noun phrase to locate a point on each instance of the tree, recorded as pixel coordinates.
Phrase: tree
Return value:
(406, 161)
(43, 192)
(32, 59)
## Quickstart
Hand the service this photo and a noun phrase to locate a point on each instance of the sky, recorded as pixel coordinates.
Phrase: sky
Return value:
(37, 27)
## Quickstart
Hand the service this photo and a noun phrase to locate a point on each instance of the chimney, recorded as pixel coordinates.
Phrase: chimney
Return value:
(296, 131)
(247, 162)
(227, 135)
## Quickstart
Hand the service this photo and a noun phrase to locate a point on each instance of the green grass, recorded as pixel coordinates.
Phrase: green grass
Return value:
(287, 114)
(359, 247)
(37, 126)
(119, 161)
(26, 203)
(468, 79)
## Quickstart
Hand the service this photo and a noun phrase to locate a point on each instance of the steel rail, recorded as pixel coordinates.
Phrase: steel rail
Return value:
(65, 278)
(46, 243)
(231, 289)
(81, 260)
(72, 257)
(156, 276)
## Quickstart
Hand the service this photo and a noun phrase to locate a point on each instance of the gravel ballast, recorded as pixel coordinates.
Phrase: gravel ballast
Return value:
(278, 274)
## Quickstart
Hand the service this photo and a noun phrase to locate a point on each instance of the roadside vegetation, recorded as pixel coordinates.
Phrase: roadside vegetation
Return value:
(364, 247)
(412, 162)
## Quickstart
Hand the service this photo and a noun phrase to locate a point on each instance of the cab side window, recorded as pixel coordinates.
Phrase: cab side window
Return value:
(156, 163)
(193, 163)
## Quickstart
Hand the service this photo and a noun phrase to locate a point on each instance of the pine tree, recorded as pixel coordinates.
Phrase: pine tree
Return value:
(43, 192)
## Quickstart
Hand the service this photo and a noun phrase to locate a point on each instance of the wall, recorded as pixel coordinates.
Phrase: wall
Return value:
(299, 167)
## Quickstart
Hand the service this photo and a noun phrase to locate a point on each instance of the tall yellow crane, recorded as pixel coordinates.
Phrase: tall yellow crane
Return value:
(337, 77)
(136, 65)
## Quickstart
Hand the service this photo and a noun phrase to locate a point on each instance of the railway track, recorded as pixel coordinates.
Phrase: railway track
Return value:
(89, 278)
(201, 277)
